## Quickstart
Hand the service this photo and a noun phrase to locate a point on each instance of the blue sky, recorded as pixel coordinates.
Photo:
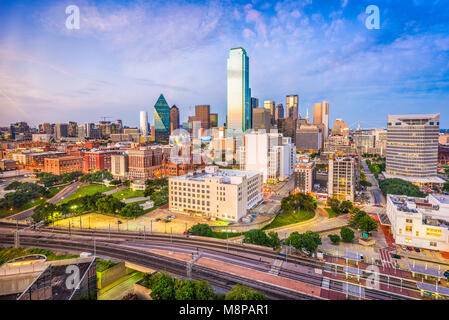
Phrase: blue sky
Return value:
(128, 52)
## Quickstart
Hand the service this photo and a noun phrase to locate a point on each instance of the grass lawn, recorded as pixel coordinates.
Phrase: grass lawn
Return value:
(284, 219)
(128, 194)
(7, 254)
(103, 265)
(53, 191)
(87, 191)
(330, 213)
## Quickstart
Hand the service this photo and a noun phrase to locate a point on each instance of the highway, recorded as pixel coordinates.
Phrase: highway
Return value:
(61, 195)
(135, 247)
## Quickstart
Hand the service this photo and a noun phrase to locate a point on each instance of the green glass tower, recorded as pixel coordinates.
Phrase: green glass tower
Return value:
(162, 120)
(239, 93)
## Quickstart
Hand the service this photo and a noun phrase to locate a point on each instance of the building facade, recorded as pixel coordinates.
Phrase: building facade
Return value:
(342, 179)
(162, 120)
(215, 193)
(305, 175)
(238, 91)
(412, 148)
(420, 222)
(63, 165)
(291, 104)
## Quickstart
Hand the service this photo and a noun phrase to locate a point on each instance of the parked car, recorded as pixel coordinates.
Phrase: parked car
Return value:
(167, 220)
(409, 249)
(157, 219)
(396, 256)
(446, 273)
(404, 248)
(417, 250)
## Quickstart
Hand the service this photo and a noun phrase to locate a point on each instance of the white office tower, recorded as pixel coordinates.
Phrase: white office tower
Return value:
(144, 123)
(268, 153)
(412, 148)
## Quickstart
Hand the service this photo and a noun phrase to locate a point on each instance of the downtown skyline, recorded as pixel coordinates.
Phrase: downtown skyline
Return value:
(317, 51)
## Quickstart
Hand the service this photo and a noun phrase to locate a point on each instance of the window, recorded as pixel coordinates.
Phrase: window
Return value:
(408, 221)
(433, 244)
(408, 228)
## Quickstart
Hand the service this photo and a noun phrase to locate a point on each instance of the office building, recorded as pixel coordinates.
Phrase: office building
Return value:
(321, 117)
(305, 175)
(343, 178)
(216, 193)
(291, 105)
(143, 163)
(214, 120)
(119, 165)
(412, 148)
(261, 119)
(202, 115)
(63, 165)
(420, 222)
(61, 130)
(287, 127)
(309, 138)
(98, 160)
(271, 154)
(270, 105)
(174, 118)
(238, 91)
(144, 123)
(254, 103)
(279, 112)
(162, 120)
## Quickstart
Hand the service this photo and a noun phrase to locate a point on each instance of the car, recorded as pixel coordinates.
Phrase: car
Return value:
(167, 220)
(396, 256)
(157, 219)
(409, 249)
(403, 248)
(417, 250)
(446, 273)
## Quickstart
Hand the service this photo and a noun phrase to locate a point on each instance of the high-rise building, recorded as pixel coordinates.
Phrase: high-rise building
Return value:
(214, 120)
(279, 112)
(239, 93)
(254, 104)
(119, 165)
(287, 127)
(174, 118)
(340, 128)
(72, 129)
(162, 120)
(309, 138)
(61, 130)
(261, 119)
(268, 153)
(202, 115)
(270, 105)
(46, 128)
(143, 163)
(343, 178)
(291, 104)
(321, 117)
(144, 123)
(412, 148)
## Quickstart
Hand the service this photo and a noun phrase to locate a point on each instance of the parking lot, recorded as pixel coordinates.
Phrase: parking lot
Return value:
(152, 221)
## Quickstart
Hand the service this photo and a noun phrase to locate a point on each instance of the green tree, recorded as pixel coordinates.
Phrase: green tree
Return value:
(185, 290)
(274, 239)
(400, 187)
(109, 204)
(201, 229)
(204, 291)
(334, 204)
(335, 239)
(257, 236)
(163, 288)
(346, 206)
(131, 210)
(308, 241)
(241, 292)
(446, 186)
(347, 235)
(367, 224)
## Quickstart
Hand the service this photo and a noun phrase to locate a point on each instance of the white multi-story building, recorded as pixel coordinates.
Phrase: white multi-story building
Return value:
(412, 148)
(420, 222)
(343, 178)
(305, 175)
(215, 193)
(271, 154)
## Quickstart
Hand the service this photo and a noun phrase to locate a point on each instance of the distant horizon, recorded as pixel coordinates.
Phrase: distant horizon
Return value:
(319, 51)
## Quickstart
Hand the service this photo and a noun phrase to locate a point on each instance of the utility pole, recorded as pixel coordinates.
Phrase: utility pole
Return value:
(151, 222)
(227, 242)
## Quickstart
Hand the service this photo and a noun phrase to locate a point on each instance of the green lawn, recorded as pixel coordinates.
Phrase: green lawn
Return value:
(87, 191)
(7, 254)
(53, 191)
(128, 194)
(330, 213)
(284, 219)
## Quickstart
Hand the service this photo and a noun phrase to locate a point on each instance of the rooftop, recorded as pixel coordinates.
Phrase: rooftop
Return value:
(214, 172)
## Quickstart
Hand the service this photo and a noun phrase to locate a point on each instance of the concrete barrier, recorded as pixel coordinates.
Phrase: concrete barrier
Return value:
(113, 274)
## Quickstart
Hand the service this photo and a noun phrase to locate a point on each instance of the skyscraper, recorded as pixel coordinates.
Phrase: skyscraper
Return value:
(239, 93)
(279, 112)
(253, 105)
(412, 148)
(162, 119)
(144, 123)
(291, 104)
(261, 119)
(174, 118)
(321, 117)
(270, 105)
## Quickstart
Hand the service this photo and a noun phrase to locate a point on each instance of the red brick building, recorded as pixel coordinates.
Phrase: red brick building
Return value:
(144, 163)
(63, 165)
(98, 160)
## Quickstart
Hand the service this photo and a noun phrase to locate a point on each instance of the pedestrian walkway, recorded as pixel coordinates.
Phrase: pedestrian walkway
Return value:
(386, 260)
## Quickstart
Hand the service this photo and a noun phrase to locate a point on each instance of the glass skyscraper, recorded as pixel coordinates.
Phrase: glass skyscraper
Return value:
(239, 93)
(162, 119)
